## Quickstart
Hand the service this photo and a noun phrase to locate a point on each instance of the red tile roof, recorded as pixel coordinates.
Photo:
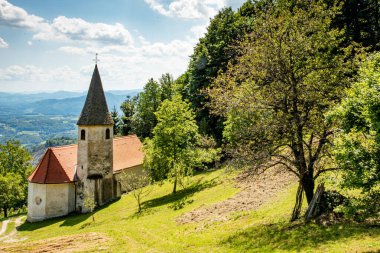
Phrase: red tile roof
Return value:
(58, 164)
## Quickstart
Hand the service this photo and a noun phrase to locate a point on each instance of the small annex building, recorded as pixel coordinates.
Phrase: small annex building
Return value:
(66, 175)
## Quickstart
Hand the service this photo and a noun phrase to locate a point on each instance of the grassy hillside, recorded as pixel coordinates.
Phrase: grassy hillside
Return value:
(118, 228)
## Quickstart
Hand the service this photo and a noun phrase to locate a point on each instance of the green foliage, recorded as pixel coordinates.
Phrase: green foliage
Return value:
(167, 86)
(290, 72)
(15, 167)
(128, 108)
(116, 120)
(173, 151)
(211, 56)
(89, 203)
(360, 20)
(12, 191)
(147, 104)
(358, 144)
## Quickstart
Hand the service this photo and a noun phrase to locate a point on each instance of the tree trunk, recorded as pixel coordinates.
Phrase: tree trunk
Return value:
(175, 185)
(5, 209)
(308, 185)
(138, 202)
(298, 204)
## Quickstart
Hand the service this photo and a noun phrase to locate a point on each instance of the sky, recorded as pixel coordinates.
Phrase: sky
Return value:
(50, 45)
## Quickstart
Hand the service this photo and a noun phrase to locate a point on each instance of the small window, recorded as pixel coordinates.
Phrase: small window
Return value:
(107, 134)
(83, 135)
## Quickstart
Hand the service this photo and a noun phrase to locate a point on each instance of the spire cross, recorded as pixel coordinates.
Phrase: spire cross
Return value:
(96, 60)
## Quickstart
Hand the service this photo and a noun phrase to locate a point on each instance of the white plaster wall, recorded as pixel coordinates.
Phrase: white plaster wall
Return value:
(57, 200)
(36, 202)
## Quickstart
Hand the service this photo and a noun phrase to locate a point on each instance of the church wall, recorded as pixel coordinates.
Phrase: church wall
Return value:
(36, 202)
(136, 169)
(58, 199)
(71, 195)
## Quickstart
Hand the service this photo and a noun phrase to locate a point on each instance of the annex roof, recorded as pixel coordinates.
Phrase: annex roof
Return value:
(58, 164)
(95, 110)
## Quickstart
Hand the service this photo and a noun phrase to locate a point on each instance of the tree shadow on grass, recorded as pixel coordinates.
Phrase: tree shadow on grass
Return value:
(69, 220)
(299, 237)
(181, 194)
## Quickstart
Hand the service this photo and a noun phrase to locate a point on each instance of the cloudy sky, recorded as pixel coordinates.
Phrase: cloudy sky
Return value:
(49, 45)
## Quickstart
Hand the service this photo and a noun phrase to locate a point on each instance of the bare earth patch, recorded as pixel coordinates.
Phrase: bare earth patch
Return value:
(255, 191)
(71, 243)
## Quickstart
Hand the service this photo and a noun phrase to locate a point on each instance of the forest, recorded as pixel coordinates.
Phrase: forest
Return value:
(277, 83)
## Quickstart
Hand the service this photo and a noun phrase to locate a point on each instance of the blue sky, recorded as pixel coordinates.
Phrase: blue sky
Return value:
(49, 45)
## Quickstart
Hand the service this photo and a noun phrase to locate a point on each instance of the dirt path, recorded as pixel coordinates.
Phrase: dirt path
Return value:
(11, 237)
(72, 243)
(4, 227)
(255, 191)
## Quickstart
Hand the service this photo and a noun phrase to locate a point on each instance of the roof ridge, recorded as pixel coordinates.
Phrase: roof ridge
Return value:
(126, 136)
(64, 146)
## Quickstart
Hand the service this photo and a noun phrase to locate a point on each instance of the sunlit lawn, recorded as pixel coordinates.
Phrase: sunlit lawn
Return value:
(156, 230)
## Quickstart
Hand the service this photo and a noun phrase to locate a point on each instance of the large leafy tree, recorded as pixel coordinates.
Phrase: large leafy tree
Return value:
(358, 145)
(12, 191)
(291, 70)
(210, 56)
(144, 119)
(15, 167)
(171, 152)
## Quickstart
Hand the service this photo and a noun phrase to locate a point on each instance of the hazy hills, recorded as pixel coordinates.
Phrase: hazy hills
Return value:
(55, 103)
(35, 118)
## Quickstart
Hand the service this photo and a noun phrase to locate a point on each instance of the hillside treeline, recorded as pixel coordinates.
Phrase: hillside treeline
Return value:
(274, 83)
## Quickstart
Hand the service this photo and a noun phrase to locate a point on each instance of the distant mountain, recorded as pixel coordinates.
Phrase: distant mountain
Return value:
(55, 103)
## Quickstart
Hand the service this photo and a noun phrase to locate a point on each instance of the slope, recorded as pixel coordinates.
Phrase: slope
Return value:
(265, 228)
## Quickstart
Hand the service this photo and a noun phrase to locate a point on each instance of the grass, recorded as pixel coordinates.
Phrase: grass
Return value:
(155, 229)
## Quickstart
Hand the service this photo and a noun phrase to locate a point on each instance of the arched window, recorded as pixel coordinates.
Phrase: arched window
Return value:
(108, 135)
(82, 134)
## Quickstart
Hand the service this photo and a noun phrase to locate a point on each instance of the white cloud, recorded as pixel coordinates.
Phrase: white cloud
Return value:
(3, 44)
(187, 9)
(199, 30)
(77, 29)
(36, 74)
(14, 16)
(30, 43)
(63, 28)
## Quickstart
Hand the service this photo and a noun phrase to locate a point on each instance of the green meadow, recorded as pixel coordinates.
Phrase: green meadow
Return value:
(119, 228)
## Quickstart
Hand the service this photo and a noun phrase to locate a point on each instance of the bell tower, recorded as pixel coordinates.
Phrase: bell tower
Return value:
(94, 172)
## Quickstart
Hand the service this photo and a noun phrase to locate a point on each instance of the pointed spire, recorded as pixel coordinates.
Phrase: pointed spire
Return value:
(95, 110)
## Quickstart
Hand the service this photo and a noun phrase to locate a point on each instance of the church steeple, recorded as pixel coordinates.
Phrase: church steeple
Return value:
(95, 110)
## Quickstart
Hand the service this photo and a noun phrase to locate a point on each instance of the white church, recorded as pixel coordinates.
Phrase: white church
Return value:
(91, 168)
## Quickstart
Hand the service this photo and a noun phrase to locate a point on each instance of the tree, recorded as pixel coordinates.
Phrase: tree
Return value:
(89, 203)
(291, 70)
(144, 119)
(116, 120)
(15, 167)
(12, 192)
(166, 83)
(171, 151)
(137, 184)
(128, 108)
(360, 21)
(357, 148)
(210, 56)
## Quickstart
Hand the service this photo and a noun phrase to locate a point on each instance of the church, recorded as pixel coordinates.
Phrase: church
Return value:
(66, 175)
